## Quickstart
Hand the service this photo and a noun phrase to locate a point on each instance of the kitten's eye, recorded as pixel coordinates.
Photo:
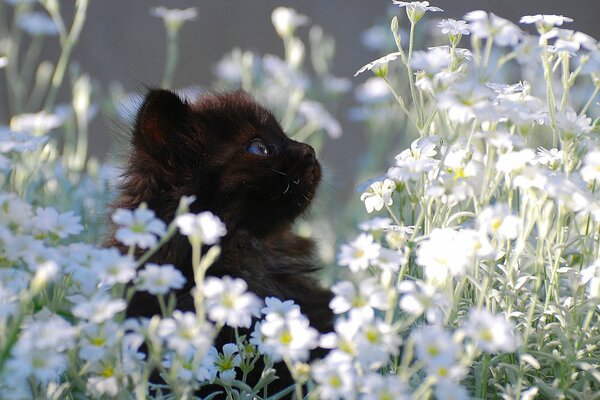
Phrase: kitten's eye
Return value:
(258, 148)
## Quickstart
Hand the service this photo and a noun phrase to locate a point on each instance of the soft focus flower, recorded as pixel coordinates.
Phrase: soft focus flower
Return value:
(228, 302)
(514, 161)
(416, 9)
(369, 294)
(37, 24)
(334, 378)
(431, 61)
(572, 124)
(49, 221)
(379, 194)
(498, 221)
(112, 267)
(590, 171)
(99, 308)
(159, 279)
(545, 22)
(139, 227)
(570, 41)
(445, 254)
(360, 253)
(374, 90)
(205, 227)
(377, 387)
(492, 333)
(174, 18)
(380, 62)
(419, 298)
(447, 389)
(314, 112)
(502, 31)
(551, 158)
(436, 347)
(19, 142)
(286, 20)
(37, 124)
(185, 334)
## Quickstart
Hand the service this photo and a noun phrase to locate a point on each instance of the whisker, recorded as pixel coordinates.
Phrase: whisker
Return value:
(287, 188)
(279, 172)
(296, 181)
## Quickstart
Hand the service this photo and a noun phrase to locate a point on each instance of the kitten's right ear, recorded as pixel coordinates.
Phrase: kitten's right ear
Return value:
(162, 115)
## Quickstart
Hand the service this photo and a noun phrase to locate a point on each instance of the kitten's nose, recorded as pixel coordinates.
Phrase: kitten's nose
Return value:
(307, 152)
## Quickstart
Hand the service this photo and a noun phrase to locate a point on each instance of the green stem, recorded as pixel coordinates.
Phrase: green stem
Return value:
(171, 60)
(67, 48)
(590, 100)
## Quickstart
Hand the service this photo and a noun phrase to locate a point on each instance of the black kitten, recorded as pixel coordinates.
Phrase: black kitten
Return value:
(231, 154)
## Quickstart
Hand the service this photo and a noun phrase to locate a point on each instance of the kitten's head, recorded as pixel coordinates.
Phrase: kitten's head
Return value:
(226, 150)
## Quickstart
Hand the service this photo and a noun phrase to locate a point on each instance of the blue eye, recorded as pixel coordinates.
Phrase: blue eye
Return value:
(258, 148)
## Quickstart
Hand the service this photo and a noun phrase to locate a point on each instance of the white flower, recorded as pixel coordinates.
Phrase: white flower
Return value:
(545, 22)
(370, 294)
(18, 141)
(419, 298)
(99, 308)
(484, 25)
(228, 302)
(444, 255)
(314, 112)
(492, 333)
(358, 254)
(590, 171)
(375, 224)
(374, 90)
(380, 62)
(463, 101)
(37, 124)
(139, 227)
(569, 122)
(275, 308)
(453, 27)
(174, 18)
(112, 267)
(498, 221)
(376, 341)
(97, 340)
(290, 338)
(551, 158)
(335, 379)
(570, 41)
(448, 389)
(431, 61)
(389, 260)
(37, 24)
(286, 20)
(227, 361)
(514, 161)
(377, 387)
(185, 334)
(49, 221)
(205, 227)
(436, 347)
(103, 385)
(416, 9)
(379, 194)
(159, 279)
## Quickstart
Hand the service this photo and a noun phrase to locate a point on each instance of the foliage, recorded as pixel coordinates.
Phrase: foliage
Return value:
(480, 278)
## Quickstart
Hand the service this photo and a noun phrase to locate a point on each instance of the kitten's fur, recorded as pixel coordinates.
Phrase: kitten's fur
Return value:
(202, 149)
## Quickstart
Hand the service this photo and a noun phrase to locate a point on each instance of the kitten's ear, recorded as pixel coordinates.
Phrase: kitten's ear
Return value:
(161, 117)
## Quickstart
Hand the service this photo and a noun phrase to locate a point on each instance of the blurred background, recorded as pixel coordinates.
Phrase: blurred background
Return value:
(123, 48)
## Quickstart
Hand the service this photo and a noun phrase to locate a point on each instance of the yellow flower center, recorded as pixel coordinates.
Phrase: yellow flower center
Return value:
(286, 338)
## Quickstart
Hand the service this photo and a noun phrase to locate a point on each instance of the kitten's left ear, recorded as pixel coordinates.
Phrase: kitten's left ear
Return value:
(161, 117)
